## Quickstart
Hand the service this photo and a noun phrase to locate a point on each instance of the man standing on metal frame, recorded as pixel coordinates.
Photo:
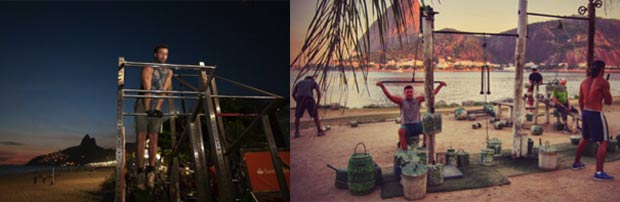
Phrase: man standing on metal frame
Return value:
(152, 79)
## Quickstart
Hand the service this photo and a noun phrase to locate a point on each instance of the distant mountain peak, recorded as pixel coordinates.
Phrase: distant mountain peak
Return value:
(86, 152)
(87, 141)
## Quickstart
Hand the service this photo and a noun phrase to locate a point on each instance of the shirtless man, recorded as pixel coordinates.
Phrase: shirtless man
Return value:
(410, 112)
(593, 92)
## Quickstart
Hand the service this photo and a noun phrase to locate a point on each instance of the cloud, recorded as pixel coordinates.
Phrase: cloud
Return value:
(10, 143)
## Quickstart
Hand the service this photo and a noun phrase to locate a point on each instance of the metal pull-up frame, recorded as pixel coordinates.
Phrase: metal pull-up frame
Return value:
(208, 105)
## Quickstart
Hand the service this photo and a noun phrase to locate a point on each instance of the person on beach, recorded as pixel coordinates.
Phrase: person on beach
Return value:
(535, 79)
(152, 79)
(303, 96)
(593, 92)
(562, 103)
(410, 127)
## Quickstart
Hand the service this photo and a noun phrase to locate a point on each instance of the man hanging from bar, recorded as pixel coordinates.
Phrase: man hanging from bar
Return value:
(152, 79)
(593, 92)
(410, 127)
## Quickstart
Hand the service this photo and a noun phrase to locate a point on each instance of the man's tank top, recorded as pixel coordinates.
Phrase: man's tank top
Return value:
(410, 111)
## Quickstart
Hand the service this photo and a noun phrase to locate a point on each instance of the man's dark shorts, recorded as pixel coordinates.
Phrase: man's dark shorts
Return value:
(412, 130)
(146, 124)
(562, 110)
(594, 126)
(306, 104)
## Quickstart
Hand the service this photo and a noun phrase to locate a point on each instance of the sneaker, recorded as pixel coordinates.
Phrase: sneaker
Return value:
(577, 166)
(602, 177)
(140, 181)
(321, 133)
(150, 180)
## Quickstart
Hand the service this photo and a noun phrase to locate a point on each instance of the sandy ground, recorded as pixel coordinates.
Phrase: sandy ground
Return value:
(313, 181)
(70, 186)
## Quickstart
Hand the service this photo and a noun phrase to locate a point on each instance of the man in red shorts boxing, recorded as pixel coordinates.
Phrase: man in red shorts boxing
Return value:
(593, 92)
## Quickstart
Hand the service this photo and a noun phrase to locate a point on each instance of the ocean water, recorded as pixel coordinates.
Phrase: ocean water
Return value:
(462, 86)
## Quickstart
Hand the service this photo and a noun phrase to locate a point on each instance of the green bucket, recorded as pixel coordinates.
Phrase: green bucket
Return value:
(462, 158)
(451, 157)
(435, 174)
(361, 172)
(496, 145)
(486, 156)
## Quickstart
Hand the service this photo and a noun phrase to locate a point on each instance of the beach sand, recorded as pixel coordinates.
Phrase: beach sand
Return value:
(69, 186)
(313, 181)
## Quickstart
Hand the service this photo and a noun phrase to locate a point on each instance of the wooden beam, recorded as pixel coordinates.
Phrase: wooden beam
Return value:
(519, 143)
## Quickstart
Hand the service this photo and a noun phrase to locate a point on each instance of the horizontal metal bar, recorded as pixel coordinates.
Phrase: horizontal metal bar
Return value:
(245, 97)
(165, 65)
(160, 91)
(187, 75)
(475, 33)
(159, 96)
(165, 114)
(557, 16)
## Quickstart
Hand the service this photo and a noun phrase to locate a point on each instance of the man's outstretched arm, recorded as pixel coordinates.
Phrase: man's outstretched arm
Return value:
(147, 74)
(393, 98)
(437, 89)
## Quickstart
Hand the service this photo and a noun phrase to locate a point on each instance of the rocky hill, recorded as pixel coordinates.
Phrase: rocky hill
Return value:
(550, 42)
(86, 152)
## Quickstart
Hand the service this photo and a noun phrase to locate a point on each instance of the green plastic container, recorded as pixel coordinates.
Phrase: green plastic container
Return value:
(413, 178)
(496, 145)
(486, 156)
(451, 157)
(435, 174)
(361, 172)
(462, 158)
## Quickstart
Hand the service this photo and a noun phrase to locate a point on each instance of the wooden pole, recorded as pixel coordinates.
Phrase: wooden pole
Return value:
(591, 30)
(427, 34)
(519, 144)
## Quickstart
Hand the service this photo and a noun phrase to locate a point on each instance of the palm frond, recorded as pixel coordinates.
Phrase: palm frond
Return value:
(336, 38)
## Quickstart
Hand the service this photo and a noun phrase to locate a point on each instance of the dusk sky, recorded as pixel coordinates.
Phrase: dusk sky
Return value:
(59, 62)
(465, 15)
